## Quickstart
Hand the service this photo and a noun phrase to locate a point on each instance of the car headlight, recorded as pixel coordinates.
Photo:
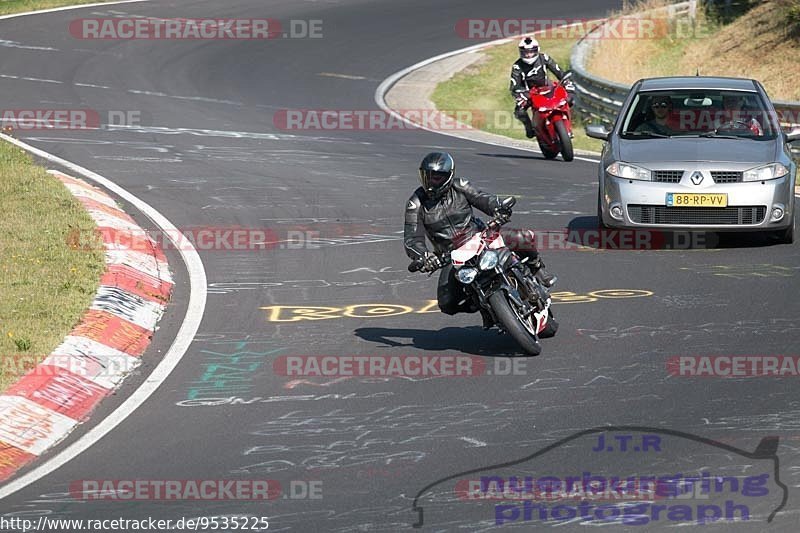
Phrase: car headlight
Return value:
(767, 172)
(488, 260)
(628, 172)
(467, 275)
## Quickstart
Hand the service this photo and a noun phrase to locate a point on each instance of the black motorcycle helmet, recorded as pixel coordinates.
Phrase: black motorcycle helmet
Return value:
(436, 173)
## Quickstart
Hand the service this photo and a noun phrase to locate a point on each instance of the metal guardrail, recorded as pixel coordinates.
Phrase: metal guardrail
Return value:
(602, 99)
(595, 97)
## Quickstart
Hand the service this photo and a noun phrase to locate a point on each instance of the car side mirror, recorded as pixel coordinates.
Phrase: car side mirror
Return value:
(597, 132)
(793, 135)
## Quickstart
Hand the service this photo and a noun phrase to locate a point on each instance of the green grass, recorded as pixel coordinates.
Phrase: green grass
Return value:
(45, 285)
(484, 87)
(8, 7)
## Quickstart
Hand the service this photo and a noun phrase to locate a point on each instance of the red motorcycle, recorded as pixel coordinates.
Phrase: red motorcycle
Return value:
(552, 119)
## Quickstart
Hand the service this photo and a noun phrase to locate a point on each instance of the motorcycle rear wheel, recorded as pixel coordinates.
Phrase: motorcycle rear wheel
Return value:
(512, 323)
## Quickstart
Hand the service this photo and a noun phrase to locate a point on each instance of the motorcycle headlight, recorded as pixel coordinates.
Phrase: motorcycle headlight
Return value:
(488, 260)
(544, 109)
(628, 172)
(767, 172)
(467, 275)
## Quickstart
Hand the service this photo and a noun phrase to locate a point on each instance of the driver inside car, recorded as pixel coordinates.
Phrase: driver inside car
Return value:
(736, 117)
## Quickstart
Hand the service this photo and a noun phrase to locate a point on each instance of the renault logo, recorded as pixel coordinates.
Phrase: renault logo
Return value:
(697, 177)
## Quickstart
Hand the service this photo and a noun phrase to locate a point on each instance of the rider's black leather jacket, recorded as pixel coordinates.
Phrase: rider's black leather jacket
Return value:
(525, 76)
(446, 219)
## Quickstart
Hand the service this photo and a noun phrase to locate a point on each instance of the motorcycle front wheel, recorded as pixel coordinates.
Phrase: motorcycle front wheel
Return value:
(546, 152)
(513, 324)
(567, 151)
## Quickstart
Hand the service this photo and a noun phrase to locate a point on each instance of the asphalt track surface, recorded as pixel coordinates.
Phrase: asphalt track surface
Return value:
(209, 155)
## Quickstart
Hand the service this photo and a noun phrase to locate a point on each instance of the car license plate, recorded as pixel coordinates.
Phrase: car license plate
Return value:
(694, 199)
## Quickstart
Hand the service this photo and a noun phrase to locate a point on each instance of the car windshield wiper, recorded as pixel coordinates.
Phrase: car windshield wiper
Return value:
(647, 134)
(715, 135)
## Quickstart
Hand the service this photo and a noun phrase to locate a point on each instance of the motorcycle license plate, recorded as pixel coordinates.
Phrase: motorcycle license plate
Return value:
(693, 199)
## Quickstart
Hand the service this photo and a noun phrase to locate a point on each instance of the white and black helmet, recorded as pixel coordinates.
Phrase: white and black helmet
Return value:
(436, 172)
(529, 50)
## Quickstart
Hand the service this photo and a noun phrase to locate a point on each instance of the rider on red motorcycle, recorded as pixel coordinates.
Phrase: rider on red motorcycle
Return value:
(441, 210)
(530, 70)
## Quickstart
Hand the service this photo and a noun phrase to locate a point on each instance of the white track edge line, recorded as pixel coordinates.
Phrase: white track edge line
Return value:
(176, 351)
(67, 8)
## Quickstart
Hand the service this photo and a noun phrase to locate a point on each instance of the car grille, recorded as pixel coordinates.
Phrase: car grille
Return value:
(667, 176)
(722, 176)
(659, 214)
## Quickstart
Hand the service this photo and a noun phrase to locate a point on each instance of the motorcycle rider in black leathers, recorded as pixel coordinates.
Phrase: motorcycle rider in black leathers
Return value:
(442, 210)
(530, 70)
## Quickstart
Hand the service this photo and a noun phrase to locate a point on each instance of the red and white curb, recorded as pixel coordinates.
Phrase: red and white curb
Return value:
(46, 404)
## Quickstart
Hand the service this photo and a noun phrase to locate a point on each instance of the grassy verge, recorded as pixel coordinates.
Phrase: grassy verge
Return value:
(760, 44)
(662, 52)
(45, 286)
(484, 87)
(8, 7)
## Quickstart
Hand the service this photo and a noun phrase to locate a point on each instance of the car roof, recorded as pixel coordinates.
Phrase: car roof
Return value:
(697, 82)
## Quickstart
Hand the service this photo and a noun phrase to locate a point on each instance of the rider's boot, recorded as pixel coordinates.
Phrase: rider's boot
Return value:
(537, 267)
(530, 133)
(488, 321)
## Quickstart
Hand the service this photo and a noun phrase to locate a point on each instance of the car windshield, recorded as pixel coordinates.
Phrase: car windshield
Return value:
(699, 113)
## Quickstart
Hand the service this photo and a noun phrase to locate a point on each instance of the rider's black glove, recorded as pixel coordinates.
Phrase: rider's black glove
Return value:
(502, 215)
(431, 262)
(570, 87)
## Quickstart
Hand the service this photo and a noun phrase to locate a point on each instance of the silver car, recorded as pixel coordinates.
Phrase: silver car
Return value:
(697, 153)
